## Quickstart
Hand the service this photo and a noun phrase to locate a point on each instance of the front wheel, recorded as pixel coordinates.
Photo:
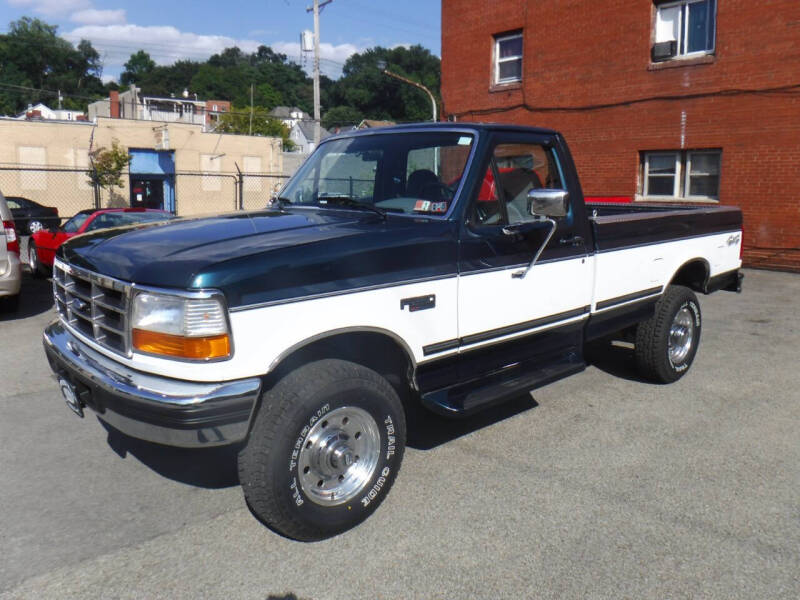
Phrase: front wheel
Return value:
(325, 447)
(667, 342)
(33, 260)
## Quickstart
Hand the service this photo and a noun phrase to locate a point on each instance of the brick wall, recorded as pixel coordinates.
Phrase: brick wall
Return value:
(587, 73)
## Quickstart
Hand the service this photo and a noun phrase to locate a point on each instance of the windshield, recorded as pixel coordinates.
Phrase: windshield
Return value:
(118, 219)
(410, 173)
(75, 223)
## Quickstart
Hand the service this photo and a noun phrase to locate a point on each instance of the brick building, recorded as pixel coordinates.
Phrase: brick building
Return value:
(689, 100)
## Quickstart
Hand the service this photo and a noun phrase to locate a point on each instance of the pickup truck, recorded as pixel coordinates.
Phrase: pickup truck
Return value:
(443, 267)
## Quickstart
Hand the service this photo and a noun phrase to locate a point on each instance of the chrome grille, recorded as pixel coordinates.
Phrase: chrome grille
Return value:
(93, 305)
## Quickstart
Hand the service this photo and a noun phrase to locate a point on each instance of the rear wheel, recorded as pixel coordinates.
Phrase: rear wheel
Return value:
(325, 448)
(666, 343)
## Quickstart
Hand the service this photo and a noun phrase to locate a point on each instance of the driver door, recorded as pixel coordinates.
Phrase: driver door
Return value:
(496, 302)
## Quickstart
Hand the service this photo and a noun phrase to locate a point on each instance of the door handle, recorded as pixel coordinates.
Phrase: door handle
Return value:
(572, 240)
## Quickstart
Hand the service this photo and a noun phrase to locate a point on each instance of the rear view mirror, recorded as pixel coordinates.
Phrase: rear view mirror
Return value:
(548, 203)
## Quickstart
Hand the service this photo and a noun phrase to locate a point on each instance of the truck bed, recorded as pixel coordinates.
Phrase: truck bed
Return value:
(616, 226)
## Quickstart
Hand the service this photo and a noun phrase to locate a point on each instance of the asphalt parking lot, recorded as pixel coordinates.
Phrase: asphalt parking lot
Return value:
(598, 486)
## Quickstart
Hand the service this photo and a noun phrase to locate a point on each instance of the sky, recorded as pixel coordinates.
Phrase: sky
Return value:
(196, 29)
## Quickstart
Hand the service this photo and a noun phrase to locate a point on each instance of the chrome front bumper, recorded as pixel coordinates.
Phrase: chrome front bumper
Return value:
(150, 407)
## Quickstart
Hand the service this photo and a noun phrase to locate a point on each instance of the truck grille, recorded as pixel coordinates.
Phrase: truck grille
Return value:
(93, 305)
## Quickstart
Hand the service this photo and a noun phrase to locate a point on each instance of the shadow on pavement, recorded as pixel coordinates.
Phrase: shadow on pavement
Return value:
(615, 359)
(36, 297)
(427, 430)
(212, 468)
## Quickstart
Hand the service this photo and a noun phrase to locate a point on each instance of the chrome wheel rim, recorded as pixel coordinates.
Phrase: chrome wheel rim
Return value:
(339, 456)
(32, 258)
(35, 226)
(681, 336)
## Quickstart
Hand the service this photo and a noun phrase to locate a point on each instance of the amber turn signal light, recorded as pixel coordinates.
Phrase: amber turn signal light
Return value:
(193, 348)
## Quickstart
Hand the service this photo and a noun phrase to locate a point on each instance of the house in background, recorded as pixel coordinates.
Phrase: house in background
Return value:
(42, 111)
(187, 108)
(372, 123)
(290, 116)
(690, 101)
(302, 134)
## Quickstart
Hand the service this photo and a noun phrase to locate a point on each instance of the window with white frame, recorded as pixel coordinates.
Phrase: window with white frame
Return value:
(690, 175)
(684, 28)
(508, 58)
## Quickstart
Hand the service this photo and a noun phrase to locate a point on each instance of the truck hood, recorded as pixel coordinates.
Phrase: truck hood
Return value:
(172, 254)
(265, 256)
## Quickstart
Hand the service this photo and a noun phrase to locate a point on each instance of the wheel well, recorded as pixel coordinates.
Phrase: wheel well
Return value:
(377, 351)
(693, 274)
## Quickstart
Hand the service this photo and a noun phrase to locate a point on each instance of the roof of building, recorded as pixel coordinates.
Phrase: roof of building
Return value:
(307, 127)
(285, 112)
(371, 123)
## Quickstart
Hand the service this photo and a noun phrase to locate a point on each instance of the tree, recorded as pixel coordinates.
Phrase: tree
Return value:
(32, 56)
(238, 121)
(341, 116)
(364, 87)
(108, 165)
(139, 65)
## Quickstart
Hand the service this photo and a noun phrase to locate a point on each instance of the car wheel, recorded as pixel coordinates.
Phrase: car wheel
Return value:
(325, 447)
(666, 344)
(35, 226)
(33, 260)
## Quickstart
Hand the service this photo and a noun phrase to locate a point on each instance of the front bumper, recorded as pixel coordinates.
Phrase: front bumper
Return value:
(149, 407)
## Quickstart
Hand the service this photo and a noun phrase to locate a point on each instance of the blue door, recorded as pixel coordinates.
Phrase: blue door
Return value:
(152, 179)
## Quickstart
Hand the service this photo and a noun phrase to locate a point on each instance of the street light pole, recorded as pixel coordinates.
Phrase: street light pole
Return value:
(385, 71)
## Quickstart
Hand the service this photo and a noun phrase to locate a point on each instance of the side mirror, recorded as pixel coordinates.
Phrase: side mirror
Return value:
(548, 203)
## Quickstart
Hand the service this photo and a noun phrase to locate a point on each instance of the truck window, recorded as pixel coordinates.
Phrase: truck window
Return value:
(515, 169)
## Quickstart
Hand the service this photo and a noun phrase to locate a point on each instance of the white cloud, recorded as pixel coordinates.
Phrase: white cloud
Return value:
(93, 16)
(52, 8)
(339, 53)
(165, 44)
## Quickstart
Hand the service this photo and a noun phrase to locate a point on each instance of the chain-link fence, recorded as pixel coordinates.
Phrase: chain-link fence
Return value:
(70, 190)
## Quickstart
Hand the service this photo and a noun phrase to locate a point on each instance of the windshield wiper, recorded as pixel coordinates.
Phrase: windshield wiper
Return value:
(347, 202)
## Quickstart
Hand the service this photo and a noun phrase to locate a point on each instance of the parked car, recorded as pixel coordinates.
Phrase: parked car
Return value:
(10, 271)
(306, 333)
(31, 216)
(43, 244)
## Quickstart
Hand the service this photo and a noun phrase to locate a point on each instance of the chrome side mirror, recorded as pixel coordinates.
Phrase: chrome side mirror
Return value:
(548, 203)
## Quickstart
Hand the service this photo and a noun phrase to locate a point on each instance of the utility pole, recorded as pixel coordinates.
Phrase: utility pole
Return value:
(316, 9)
(251, 108)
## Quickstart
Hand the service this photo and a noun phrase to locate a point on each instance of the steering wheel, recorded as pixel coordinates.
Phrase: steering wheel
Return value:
(437, 190)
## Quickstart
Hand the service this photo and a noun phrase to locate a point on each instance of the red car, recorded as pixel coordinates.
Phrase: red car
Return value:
(42, 245)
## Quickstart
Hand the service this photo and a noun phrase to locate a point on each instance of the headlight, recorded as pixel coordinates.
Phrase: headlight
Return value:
(192, 328)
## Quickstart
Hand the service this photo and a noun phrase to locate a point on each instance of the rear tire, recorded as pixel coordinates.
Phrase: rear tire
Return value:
(666, 344)
(325, 447)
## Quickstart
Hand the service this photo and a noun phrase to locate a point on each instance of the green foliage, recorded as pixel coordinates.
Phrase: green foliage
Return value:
(139, 65)
(341, 116)
(108, 165)
(33, 56)
(238, 121)
(377, 96)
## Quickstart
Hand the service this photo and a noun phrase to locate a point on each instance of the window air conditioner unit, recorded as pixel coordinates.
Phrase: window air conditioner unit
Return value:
(664, 50)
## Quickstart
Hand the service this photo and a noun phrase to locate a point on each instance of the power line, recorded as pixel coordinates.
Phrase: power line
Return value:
(785, 90)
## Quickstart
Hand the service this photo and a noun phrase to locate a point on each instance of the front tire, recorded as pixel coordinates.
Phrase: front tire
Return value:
(33, 260)
(666, 343)
(325, 447)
